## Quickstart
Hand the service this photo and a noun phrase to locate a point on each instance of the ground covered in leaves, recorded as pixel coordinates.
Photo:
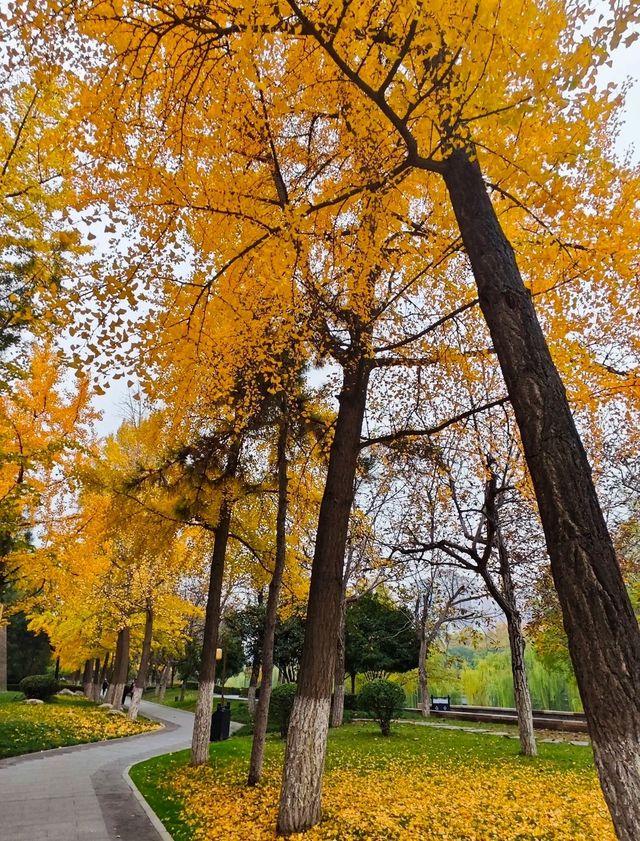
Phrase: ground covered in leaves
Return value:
(420, 783)
(60, 722)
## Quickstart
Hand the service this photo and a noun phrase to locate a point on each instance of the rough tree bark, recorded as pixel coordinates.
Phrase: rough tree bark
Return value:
(337, 708)
(300, 799)
(603, 634)
(141, 677)
(120, 669)
(271, 613)
(207, 674)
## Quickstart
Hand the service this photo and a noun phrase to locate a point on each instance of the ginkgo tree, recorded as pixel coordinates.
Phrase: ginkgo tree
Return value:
(356, 143)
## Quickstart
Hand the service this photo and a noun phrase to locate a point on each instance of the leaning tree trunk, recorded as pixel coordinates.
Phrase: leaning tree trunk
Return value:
(524, 708)
(87, 678)
(301, 794)
(337, 710)
(120, 669)
(207, 674)
(603, 634)
(271, 614)
(141, 677)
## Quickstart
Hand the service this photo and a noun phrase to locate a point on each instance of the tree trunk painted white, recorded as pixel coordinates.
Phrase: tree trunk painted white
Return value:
(524, 707)
(202, 724)
(145, 658)
(251, 701)
(301, 796)
(121, 668)
(164, 681)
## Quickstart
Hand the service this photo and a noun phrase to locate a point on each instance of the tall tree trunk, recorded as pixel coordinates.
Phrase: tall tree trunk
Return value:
(57, 671)
(164, 681)
(603, 634)
(3, 655)
(95, 681)
(337, 710)
(141, 677)
(271, 613)
(423, 677)
(207, 674)
(301, 794)
(105, 670)
(524, 707)
(120, 669)
(183, 687)
(255, 671)
(87, 678)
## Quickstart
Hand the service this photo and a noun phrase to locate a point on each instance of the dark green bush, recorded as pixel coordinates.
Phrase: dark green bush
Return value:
(384, 700)
(39, 686)
(280, 706)
(350, 701)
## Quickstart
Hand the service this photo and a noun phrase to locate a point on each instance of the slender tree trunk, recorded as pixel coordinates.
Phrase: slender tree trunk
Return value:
(271, 613)
(120, 669)
(3, 655)
(183, 687)
(105, 670)
(206, 677)
(164, 681)
(524, 707)
(253, 683)
(141, 677)
(603, 634)
(87, 678)
(300, 799)
(423, 677)
(95, 681)
(337, 710)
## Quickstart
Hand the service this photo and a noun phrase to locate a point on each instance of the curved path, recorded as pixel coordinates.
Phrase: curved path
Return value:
(80, 793)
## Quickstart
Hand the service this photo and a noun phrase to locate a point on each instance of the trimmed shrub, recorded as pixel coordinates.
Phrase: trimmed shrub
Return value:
(384, 700)
(41, 687)
(281, 705)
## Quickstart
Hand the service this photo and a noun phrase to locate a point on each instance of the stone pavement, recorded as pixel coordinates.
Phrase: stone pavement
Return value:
(79, 793)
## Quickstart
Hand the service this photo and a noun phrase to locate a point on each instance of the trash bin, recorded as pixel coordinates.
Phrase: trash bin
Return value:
(220, 723)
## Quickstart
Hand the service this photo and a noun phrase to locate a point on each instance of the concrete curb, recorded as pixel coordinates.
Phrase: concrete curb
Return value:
(155, 820)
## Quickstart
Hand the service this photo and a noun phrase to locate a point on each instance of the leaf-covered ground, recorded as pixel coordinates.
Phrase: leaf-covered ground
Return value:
(419, 784)
(59, 722)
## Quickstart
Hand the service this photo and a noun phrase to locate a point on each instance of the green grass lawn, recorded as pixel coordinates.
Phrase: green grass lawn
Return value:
(62, 721)
(192, 802)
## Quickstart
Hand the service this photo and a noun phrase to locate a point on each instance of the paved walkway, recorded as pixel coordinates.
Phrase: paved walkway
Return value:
(79, 793)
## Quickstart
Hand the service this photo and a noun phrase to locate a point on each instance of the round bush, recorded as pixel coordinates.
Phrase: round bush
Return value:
(384, 700)
(280, 706)
(39, 686)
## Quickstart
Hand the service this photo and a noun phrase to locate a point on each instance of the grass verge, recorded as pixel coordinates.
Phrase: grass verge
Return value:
(60, 722)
